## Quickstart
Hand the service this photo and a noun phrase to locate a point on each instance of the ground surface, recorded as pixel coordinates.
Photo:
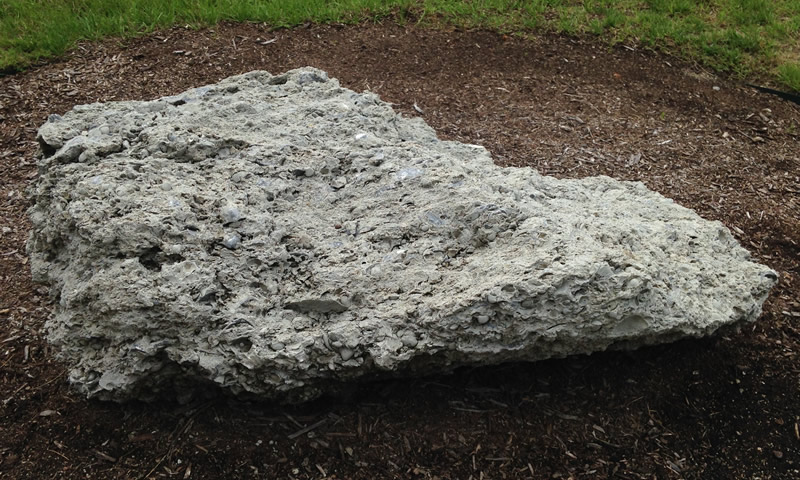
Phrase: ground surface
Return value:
(722, 408)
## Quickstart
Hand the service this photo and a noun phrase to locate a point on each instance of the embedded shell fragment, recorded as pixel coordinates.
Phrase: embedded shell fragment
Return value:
(277, 235)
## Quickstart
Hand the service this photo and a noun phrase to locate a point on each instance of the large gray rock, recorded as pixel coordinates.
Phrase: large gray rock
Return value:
(279, 234)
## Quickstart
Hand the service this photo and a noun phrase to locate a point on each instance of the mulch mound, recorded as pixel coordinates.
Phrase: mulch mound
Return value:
(725, 407)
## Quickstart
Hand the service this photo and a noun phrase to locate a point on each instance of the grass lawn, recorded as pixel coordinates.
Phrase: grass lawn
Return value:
(749, 38)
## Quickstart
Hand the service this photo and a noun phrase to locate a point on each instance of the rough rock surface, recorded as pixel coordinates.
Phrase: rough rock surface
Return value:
(278, 234)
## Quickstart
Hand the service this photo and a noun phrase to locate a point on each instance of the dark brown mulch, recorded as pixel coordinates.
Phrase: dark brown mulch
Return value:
(723, 408)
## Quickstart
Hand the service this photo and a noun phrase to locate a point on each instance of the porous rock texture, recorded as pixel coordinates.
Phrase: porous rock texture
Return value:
(280, 234)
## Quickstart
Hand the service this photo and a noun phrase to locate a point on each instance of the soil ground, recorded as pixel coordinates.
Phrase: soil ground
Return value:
(720, 408)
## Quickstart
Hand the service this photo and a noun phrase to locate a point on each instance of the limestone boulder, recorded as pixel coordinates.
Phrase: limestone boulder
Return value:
(278, 235)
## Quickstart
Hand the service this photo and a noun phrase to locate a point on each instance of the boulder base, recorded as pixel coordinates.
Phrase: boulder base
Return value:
(276, 235)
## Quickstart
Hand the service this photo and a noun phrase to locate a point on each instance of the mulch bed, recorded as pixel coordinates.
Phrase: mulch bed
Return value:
(725, 407)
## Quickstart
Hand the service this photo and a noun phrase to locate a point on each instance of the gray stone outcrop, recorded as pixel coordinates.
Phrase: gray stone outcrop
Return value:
(277, 235)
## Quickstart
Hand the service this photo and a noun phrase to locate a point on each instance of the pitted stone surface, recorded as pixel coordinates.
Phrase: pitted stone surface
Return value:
(279, 234)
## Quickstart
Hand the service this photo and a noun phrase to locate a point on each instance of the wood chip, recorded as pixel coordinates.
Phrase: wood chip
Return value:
(307, 429)
(104, 456)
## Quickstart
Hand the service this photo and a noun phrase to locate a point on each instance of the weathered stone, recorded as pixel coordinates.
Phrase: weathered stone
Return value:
(279, 234)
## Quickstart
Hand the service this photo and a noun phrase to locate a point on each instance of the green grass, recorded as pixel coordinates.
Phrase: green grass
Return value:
(746, 37)
(789, 74)
(35, 29)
